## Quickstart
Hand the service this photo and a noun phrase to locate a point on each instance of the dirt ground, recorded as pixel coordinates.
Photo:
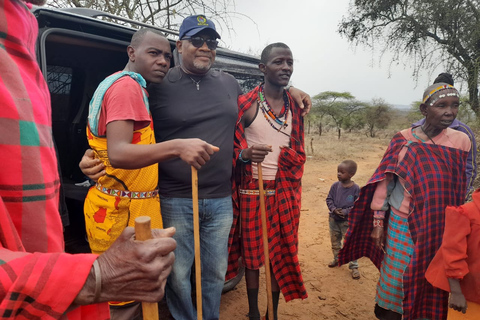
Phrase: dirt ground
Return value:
(332, 293)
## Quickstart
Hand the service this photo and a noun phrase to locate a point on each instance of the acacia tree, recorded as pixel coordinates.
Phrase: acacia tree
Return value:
(356, 121)
(160, 13)
(316, 116)
(377, 116)
(431, 32)
(338, 105)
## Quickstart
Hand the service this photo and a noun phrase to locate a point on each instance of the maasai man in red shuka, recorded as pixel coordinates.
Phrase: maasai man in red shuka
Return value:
(270, 132)
(37, 280)
(421, 173)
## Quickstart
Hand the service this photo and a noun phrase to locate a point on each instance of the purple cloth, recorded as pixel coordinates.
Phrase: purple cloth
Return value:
(343, 198)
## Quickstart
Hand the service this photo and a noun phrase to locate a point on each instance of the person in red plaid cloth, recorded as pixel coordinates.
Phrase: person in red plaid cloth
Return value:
(399, 218)
(38, 280)
(269, 131)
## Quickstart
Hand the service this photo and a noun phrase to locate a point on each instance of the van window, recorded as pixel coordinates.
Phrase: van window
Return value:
(59, 80)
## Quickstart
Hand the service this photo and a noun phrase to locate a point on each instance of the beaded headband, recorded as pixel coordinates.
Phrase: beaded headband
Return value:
(433, 93)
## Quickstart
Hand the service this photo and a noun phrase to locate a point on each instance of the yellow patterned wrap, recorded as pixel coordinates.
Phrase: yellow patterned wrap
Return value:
(106, 216)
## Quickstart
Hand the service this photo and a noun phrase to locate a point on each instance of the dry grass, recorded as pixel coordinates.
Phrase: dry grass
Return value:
(366, 151)
(329, 147)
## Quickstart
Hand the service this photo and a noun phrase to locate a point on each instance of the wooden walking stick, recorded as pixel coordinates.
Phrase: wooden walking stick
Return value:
(143, 232)
(196, 236)
(265, 242)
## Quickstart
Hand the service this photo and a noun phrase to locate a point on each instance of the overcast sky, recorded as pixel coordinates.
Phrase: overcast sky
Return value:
(324, 61)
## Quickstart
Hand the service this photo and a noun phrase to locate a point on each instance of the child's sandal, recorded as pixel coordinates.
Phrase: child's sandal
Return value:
(355, 274)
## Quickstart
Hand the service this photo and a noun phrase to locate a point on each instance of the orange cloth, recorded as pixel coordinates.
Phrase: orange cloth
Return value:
(473, 313)
(459, 255)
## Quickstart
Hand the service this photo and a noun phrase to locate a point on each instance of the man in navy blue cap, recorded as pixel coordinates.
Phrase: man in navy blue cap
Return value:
(194, 24)
(198, 101)
(197, 44)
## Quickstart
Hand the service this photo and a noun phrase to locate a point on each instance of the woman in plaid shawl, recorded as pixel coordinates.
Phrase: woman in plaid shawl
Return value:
(398, 220)
(270, 133)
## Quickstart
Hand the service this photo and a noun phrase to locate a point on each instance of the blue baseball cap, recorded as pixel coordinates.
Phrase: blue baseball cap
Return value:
(194, 24)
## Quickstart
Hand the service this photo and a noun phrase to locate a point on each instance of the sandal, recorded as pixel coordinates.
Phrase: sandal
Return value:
(333, 264)
(355, 274)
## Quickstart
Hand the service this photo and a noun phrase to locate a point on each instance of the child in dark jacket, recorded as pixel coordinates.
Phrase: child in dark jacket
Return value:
(340, 200)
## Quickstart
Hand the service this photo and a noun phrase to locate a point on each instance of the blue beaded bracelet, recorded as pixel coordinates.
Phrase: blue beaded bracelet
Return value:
(240, 157)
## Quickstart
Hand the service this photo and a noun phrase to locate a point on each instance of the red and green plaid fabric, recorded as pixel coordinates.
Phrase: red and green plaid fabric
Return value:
(283, 211)
(37, 280)
(434, 175)
(398, 250)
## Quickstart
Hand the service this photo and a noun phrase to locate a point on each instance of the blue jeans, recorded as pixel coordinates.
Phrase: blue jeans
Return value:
(216, 217)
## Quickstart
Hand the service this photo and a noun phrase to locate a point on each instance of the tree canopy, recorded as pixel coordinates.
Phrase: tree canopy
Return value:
(161, 13)
(377, 116)
(430, 33)
(340, 110)
(339, 106)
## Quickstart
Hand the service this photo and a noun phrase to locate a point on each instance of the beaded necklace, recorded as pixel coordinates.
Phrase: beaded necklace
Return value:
(268, 113)
(416, 136)
(427, 134)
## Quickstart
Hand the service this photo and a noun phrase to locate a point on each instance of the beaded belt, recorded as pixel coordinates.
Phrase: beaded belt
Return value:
(127, 194)
(268, 192)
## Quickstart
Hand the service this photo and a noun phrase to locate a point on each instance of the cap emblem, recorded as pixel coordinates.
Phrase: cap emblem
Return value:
(202, 21)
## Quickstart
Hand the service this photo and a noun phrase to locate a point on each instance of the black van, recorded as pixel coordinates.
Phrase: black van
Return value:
(76, 49)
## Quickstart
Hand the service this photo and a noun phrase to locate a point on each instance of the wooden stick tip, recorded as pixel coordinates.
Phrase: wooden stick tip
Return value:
(142, 219)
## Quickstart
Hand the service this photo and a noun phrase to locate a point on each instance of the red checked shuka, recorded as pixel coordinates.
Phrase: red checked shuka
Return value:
(282, 207)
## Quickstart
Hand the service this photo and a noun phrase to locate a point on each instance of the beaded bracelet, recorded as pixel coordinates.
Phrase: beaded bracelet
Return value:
(98, 281)
(240, 157)
(378, 223)
(378, 214)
